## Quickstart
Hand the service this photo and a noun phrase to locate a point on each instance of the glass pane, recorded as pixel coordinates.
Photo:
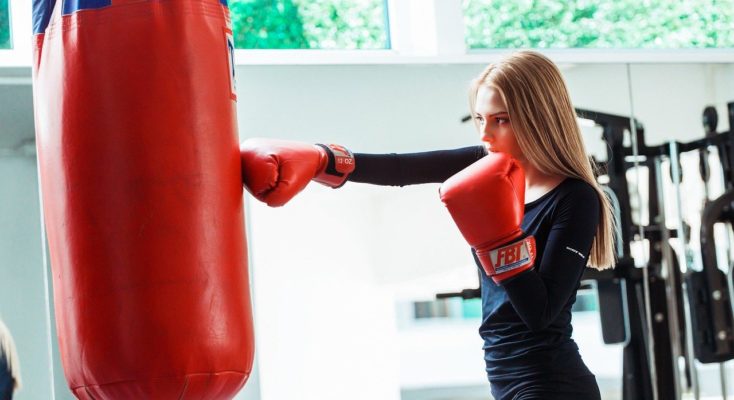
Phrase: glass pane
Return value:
(4, 25)
(303, 24)
(622, 24)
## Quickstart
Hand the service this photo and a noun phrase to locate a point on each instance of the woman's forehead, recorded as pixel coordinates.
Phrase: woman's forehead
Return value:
(489, 101)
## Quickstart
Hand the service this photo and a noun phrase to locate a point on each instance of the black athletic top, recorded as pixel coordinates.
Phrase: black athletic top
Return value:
(526, 321)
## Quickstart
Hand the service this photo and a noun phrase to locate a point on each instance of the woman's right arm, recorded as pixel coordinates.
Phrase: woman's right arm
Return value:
(413, 168)
(274, 171)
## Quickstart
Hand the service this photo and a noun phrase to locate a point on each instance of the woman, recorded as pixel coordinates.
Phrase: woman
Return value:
(532, 241)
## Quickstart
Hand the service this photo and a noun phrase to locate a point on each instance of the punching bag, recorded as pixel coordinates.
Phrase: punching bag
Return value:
(142, 197)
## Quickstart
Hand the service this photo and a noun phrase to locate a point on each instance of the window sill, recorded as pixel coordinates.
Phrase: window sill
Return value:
(576, 56)
(15, 58)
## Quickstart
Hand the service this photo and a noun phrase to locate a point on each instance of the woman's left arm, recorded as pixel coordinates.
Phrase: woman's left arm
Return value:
(539, 294)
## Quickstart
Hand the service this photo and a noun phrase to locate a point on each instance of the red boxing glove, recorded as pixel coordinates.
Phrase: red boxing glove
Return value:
(274, 171)
(487, 202)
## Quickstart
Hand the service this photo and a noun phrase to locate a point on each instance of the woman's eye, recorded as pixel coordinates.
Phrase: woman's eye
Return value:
(502, 120)
(478, 119)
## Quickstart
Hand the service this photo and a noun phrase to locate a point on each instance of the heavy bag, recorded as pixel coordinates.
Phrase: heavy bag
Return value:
(142, 197)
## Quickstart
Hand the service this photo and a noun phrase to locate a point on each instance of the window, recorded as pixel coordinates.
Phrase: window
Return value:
(304, 24)
(586, 300)
(622, 24)
(454, 308)
(4, 25)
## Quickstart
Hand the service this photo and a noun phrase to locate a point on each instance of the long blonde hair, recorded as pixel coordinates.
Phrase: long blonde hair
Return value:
(547, 131)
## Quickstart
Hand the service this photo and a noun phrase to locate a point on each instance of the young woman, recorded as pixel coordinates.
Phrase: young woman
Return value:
(526, 201)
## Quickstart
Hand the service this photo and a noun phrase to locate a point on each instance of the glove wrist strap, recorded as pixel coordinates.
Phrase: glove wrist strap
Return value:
(509, 260)
(339, 164)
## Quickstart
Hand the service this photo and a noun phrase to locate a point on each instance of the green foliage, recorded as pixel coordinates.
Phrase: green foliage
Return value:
(303, 24)
(4, 25)
(267, 24)
(344, 24)
(599, 24)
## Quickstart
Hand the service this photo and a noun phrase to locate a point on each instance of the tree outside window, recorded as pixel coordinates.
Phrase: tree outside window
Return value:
(4, 25)
(620, 24)
(304, 24)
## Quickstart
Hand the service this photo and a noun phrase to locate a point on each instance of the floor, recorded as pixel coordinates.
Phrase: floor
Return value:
(610, 389)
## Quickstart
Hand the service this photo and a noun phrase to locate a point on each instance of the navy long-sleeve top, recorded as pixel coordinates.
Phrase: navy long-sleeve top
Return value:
(526, 320)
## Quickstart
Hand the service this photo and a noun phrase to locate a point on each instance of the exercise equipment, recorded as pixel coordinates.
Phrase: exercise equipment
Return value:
(709, 294)
(142, 197)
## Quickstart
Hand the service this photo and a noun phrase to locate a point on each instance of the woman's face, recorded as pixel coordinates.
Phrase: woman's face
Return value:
(495, 129)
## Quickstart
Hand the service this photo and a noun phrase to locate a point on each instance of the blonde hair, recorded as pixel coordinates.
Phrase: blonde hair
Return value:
(547, 132)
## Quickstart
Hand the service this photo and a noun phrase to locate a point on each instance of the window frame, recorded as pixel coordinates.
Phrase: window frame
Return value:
(420, 32)
(20, 53)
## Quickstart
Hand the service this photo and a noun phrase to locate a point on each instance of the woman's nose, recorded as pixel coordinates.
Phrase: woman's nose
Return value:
(486, 135)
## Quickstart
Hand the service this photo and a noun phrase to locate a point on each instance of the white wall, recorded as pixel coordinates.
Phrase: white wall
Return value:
(668, 98)
(22, 300)
(330, 267)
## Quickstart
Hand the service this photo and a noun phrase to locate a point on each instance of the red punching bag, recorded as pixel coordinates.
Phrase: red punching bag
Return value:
(142, 197)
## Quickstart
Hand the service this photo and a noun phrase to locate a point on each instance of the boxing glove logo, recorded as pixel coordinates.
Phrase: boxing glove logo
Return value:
(514, 255)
